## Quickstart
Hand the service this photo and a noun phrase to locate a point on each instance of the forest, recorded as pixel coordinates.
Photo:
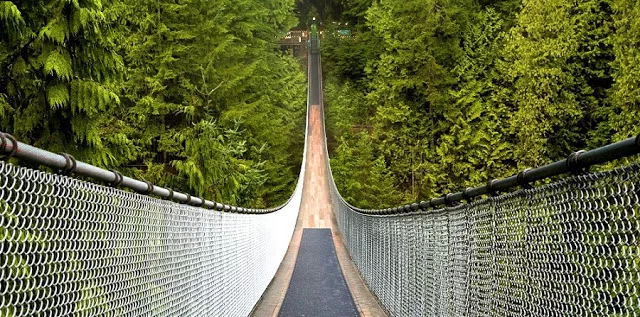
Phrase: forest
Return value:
(192, 95)
(425, 97)
(429, 97)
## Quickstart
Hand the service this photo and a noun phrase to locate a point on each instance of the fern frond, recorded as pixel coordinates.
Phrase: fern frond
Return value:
(11, 15)
(59, 61)
(79, 19)
(86, 19)
(90, 97)
(58, 96)
(57, 30)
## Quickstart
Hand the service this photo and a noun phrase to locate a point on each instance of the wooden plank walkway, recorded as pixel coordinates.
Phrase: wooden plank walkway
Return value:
(316, 212)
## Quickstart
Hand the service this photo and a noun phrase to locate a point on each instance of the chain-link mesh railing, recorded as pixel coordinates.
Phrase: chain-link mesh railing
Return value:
(571, 248)
(76, 248)
(71, 247)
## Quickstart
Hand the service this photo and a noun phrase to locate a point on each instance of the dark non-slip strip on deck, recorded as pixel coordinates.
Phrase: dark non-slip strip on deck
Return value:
(314, 80)
(317, 286)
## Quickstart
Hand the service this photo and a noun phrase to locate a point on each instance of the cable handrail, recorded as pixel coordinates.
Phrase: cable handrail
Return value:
(575, 163)
(67, 164)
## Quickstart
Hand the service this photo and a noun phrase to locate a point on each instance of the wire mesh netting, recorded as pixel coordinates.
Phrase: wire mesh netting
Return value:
(71, 247)
(571, 248)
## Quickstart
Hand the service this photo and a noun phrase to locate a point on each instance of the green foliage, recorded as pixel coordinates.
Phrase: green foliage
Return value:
(555, 56)
(57, 66)
(11, 18)
(625, 93)
(191, 95)
(214, 165)
(361, 174)
(361, 177)
(349, 56)
(457, 92)
(214, 108)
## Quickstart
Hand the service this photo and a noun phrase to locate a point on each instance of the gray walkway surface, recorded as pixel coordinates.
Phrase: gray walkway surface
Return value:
(317, 287)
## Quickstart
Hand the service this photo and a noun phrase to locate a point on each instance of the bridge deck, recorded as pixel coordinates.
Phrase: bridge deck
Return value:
(317, 287)
(316, 212)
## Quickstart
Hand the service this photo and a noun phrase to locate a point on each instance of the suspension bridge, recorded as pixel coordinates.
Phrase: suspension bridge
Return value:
(72, 247)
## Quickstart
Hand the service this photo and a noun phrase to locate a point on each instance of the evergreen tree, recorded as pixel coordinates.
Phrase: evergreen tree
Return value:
(459, 92)
(475, 144)
(58, 69)
(362, 178)
(557, 58)
(199, 71)
(625, 94)
(185, 94)
(409, 84)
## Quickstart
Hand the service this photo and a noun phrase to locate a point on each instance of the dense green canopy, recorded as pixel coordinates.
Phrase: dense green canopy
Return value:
(426, 97)
(455, 92)
(187, 94)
